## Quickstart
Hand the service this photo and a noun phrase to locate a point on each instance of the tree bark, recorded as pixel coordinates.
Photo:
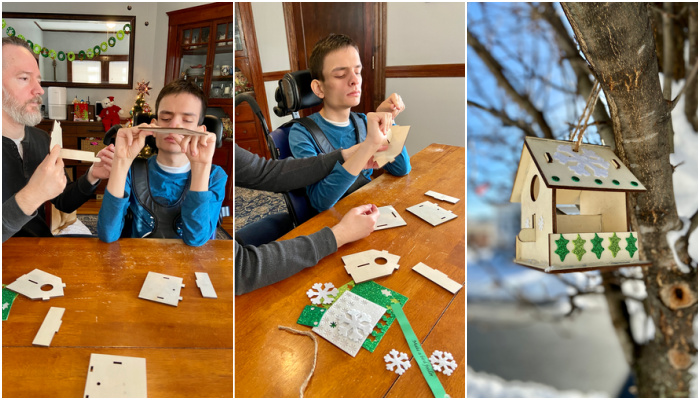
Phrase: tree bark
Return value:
(617, 41)
(691, 98)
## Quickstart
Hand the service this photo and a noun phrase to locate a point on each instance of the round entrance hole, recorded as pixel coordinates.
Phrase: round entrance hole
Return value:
(380, 261)
(535, 188)
(47, 287)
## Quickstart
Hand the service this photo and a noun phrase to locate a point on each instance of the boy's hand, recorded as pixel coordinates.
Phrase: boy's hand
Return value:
(198, 149)
(393, 104)
(129, 142)
(377, 126)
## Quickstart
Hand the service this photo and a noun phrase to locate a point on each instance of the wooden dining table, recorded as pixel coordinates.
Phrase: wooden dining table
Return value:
(188, 348)
(274, 363)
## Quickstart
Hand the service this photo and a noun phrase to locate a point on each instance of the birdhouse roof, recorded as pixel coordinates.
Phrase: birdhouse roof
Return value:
(591, 168)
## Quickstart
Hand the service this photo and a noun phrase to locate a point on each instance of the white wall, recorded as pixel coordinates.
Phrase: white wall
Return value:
(417, 34)
(150, 47)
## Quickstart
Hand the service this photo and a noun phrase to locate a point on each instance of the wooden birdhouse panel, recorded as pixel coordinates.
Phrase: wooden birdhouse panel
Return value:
(593, 250)
(536, 218)
(611, 206)
(592, 167)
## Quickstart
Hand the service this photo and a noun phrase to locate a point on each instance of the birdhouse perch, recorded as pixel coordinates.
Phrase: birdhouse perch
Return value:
(573, 208)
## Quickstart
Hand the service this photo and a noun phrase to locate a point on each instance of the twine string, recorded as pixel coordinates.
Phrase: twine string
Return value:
(585, 114)
(313, 366)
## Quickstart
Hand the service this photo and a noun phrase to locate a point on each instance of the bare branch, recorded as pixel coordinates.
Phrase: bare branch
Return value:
(668, 50)
(497, 70)
(524, 126)
(691, 78)
(681, 244)
(691, 97)
(579, 65)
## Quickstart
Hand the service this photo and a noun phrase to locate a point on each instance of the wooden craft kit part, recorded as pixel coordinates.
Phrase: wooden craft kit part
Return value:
(396, 138)
(432, 213)
(437, 277)
(368, 265)
(52, 322)
(177, 131)
(116, 376)
(442, 197)
(38, 285)
(573, 208)
(57, 139)
(388, 218)
(204, 285)
(162, 288)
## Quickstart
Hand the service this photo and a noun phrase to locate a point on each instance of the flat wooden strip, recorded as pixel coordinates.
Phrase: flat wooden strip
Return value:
(51, 324)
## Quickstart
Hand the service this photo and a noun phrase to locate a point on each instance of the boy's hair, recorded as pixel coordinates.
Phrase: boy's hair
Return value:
(184, 86)
(328, 44)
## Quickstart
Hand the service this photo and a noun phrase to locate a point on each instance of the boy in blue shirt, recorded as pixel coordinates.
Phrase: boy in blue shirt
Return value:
(181, 191)
(336, 71)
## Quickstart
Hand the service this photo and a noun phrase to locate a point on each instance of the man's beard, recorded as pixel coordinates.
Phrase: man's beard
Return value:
(20, 112)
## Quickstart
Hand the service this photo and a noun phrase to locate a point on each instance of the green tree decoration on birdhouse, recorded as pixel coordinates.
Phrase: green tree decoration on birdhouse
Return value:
(631, 248)
(578, 247)
(614, 244)
(597, 246)
(562, 251)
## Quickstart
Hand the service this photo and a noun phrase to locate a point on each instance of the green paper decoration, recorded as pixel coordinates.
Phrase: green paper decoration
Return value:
(597, 247)
(311, 315)
(614, 247)
(71, 56)
(561, 247)
(89, 53)
(631, 248)
(578, 247)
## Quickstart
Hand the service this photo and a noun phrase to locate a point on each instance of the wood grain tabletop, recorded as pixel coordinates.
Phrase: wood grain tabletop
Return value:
(274, 363)
(188, 348)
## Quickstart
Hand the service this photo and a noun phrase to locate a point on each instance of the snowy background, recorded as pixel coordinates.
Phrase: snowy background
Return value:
(518, 344)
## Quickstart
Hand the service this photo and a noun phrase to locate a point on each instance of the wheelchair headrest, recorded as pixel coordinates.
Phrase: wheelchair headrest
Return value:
(212, 123)
(294, 93)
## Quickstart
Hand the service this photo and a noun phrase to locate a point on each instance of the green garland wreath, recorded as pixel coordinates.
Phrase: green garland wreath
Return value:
(90, 53)
(127, 28)
(97, 50)
(120, 34)
(71, 56)
(112, 41)
(37, 49)
(61, 56)
(81, 55)
(10, 31)
(103, 46)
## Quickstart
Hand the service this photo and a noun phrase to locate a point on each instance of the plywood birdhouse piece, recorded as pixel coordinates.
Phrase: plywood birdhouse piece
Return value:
(573, 207)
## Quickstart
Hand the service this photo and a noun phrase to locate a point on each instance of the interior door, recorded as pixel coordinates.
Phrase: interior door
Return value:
(312, 21)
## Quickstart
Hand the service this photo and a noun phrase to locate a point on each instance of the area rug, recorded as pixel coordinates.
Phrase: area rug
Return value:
(252, 205)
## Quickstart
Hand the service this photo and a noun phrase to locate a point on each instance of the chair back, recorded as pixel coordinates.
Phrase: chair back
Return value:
(294, 93)
(298, 203)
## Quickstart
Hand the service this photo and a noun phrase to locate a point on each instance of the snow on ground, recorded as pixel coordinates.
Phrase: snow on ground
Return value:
(481, 384)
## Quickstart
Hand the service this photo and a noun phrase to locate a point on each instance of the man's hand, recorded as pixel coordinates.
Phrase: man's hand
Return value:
(378, 124)
(47, 182)
(393, 104)
(198, 149)
(130, 141)
(358, 223)
(361, 157)
(102, 169)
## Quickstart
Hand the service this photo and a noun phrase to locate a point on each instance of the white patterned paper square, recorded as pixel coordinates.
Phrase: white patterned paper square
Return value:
(349, 321)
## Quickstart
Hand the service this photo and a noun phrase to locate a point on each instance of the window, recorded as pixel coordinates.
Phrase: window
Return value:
(86, 72)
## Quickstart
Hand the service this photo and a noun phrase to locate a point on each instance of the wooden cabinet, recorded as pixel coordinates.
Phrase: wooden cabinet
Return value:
(200, 48)
(248, 131)
(76, 135)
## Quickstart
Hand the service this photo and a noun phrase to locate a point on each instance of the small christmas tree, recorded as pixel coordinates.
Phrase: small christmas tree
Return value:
(140, 105)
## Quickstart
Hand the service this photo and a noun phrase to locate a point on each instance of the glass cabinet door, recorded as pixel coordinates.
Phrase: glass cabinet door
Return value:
(194, 43)
(221, 85)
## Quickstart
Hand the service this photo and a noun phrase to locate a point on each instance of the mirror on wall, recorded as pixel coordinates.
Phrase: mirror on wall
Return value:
(89, 51)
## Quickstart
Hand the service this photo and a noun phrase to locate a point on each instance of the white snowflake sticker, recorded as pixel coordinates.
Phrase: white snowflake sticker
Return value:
(397, 360)
(527, 223)
(5, 306)
(540, 223)
(386, 292)
(582, 159)
(322, 294)
(356, 327)
(443, 362)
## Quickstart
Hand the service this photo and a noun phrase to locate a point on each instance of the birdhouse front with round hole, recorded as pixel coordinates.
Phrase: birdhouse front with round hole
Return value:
(573, 208)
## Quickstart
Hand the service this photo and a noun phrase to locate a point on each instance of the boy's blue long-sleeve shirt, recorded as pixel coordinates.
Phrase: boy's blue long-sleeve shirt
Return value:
(199, 210)
(326, 192)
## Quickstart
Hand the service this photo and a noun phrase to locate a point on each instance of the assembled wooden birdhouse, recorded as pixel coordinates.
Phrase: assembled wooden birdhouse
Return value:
(573, 207)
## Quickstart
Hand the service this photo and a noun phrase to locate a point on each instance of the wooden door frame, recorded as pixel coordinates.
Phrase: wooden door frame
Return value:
(375, 16)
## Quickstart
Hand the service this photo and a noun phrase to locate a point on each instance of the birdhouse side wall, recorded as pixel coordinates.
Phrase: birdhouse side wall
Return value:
(536, 219)
(611, 206)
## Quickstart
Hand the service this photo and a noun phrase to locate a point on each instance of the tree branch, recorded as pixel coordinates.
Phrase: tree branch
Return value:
(691, 78)
(497, 70)
(668, 49)
(681, 244)
(524, 126)
(547, 12)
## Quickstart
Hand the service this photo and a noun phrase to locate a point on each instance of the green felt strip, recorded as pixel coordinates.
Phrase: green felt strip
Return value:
(311, 316)
(418, 353)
